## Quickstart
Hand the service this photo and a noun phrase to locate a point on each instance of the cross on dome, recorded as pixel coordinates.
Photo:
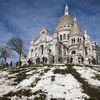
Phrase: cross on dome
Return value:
(66, 10)
(75, 21)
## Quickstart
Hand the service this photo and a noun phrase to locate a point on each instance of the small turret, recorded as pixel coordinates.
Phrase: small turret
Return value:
(44, 31)
(43, 34)
(33, 41)
(86, 35)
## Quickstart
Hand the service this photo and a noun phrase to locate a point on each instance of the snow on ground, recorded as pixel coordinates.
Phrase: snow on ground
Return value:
(64, 86)
(3, 73)
(5, 86)
(27, 82)
(4, 89)
(61, 67)
(6, 83)
(89, 75)
(30, 72)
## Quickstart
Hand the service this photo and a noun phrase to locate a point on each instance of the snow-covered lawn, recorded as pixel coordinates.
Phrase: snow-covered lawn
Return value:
(64, 86)
(31, 82)
(89, 75)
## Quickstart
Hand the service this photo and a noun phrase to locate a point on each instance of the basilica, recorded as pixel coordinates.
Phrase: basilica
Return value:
(68, 44)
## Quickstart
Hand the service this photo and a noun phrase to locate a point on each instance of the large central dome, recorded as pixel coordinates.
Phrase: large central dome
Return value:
(66, 20)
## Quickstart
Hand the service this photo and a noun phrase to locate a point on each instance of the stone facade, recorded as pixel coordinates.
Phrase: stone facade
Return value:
(68, 44)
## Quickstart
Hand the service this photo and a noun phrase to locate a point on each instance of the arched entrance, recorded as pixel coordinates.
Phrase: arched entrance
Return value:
(74, 56)
(41, 50)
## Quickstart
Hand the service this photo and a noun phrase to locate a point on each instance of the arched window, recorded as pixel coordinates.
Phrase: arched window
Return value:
(68, 36)
(64, 36)
(74, 40)
(73, 52)
(78, 40)
(68, 26)
(49, 51)
(60, 37)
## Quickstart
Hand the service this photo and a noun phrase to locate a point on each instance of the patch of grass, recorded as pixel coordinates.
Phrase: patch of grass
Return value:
(61, 71)
(11, 77)
(20, 77)
(70, 65)
(53, 99)
(90, 66)
(12, 71)
(93, 92)
(35, 82)
(57, 99)
(4, 98)
(46, 70)
(19, 94)
(40, 95)
(41, 73)
(97, 76)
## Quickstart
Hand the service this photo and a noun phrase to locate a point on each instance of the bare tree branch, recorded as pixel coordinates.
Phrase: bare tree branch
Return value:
(16, 44)
(5, 53)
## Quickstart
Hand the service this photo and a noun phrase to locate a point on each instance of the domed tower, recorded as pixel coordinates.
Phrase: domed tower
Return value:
(64, 26)
(76, 35)
(75, 30)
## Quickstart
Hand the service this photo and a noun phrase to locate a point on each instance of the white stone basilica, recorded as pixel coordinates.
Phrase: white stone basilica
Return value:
(68, 44)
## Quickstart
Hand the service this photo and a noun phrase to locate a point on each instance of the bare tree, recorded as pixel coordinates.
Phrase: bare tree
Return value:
(16, 44)
(5, 53)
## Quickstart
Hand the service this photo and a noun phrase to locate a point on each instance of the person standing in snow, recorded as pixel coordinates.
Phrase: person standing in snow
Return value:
(11, 64)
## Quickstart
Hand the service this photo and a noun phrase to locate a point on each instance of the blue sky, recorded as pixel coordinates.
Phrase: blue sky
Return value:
(25, 18)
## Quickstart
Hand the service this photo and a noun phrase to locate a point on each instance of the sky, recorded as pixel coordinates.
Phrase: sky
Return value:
(25, 18)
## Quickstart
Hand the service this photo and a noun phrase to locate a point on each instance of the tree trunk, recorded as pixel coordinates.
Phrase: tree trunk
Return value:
(5, 59)
(20, 59)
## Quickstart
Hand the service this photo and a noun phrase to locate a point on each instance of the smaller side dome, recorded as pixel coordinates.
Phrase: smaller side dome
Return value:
(75, 28)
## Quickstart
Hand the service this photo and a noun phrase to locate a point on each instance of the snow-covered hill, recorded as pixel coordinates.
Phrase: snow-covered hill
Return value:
(52, 82)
